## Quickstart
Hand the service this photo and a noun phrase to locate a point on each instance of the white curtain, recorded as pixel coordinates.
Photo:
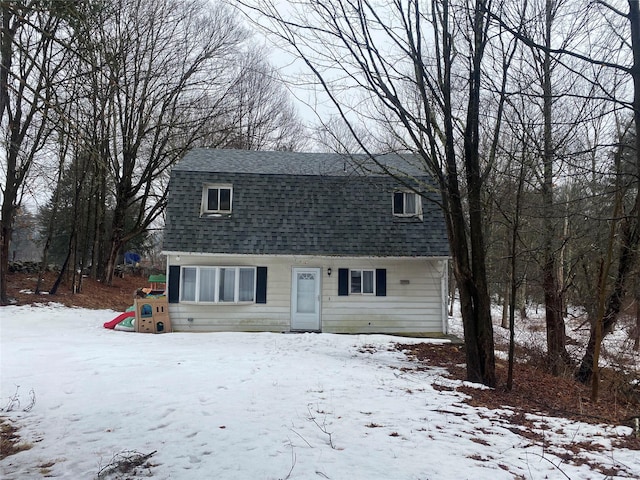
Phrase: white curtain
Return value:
(227, 284)
(207, 284)
(246, 285)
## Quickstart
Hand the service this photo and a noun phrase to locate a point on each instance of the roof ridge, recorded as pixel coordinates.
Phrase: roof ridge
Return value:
(300, 163)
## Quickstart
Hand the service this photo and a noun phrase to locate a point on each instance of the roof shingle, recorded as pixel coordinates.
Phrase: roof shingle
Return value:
(297, 203)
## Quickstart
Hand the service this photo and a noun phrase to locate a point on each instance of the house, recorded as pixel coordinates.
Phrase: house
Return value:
(319, 242)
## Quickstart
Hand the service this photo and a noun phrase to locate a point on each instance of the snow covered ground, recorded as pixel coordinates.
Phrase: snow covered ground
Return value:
(260, 406)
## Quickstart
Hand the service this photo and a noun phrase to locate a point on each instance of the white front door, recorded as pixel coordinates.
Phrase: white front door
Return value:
(305, 299)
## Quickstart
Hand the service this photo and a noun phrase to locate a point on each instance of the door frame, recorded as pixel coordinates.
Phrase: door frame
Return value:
(294, 292)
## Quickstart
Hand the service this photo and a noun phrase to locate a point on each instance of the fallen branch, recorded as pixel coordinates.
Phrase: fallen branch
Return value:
(14, 401)
(293, 462)
(303, 439)
(124, 462)
(323, 427)
(32, 401)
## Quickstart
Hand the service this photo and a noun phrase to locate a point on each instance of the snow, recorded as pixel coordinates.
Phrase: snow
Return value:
(261, 406)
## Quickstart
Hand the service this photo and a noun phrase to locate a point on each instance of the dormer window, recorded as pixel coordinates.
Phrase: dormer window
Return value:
(217, 199)
(407, 204)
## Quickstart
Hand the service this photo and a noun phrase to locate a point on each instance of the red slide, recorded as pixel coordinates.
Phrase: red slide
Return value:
(112, 324)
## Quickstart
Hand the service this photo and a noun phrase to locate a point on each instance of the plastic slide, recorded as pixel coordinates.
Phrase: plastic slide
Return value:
(112, 324)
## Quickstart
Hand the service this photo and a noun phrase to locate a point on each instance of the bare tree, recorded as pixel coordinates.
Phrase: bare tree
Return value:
(414, 71)
(610, 38)
(263, 117)
(33, 52)
(156, 65)
(333, 135)
(555, 89)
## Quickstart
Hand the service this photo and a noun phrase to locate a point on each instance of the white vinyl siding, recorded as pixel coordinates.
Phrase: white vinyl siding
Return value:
(415, 300)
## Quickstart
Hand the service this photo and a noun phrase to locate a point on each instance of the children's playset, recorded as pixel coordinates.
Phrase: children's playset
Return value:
(149, 312)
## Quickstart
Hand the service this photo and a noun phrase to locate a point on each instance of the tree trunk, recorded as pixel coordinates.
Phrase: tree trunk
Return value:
(10, 192)
(557, 356)
(523, 299)
(110, 266)
(5, 236)
(118, 224)
(636, 332)
(55, 203)
(513, 264)
(115, 244)
(506, 302)
(629, 245)
(469, 263)
(452, 294)
(480, 292)
(63, 270)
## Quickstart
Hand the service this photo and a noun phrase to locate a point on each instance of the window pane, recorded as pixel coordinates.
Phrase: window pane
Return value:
(207, 285)
(356, 281)
(225, 199)
(410, 203)
(306, 293)
(212, 199)
(227, 285)
(367, 281)
(247, 288)
(398, 204)
(188, 288)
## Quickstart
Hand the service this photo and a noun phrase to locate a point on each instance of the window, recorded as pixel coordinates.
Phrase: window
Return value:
(407, 204)
(206, 290)
(218, 284)
(188, 287)
(362, 281)
(217, 199)
(227, 285)
(246, 287)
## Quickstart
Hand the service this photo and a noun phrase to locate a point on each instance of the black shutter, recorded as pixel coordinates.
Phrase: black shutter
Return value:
(261, 285)
(343, 281)
(381, 282)
(174, 283)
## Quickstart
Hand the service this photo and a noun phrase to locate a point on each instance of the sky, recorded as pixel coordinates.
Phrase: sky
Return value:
(260, 406)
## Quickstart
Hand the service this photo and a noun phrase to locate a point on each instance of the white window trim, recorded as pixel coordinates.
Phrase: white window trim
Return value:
(362, 270)
(216, 289)
(205, 199)
(418, 198)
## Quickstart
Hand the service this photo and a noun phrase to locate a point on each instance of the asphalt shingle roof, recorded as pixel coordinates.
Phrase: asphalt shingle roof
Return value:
(298, 203)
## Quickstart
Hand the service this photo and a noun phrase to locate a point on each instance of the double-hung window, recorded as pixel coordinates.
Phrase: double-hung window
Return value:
(407, 204)
(362, 281)
(218, 284)
(217, 199)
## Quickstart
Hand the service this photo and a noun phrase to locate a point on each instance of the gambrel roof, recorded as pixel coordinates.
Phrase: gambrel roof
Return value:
(287, 203)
